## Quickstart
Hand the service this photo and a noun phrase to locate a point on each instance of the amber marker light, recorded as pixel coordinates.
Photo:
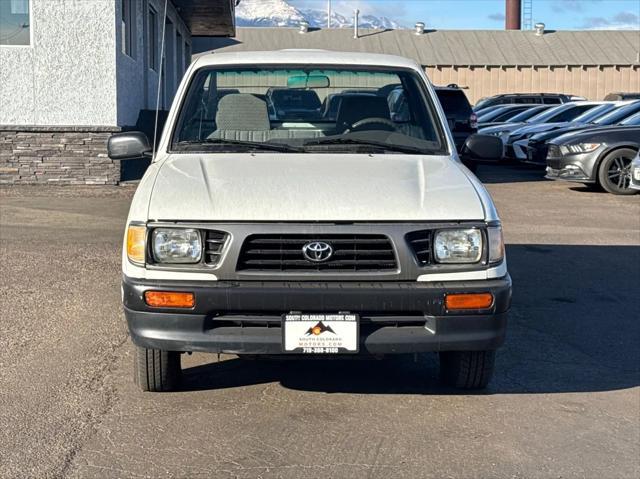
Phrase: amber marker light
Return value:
(136, 239)
(458, 302)
(169, 299)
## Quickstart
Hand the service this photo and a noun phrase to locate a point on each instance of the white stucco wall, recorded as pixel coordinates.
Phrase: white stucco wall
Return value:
(67, 76)
(137, 83)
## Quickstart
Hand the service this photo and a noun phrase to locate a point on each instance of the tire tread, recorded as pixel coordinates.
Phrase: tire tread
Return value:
(467, 369)
(156, 370)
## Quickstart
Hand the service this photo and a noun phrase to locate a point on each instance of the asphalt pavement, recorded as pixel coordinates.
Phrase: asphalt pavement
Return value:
(564, 403)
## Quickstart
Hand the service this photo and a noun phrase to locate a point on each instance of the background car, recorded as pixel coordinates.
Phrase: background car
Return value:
(500, 114)
(539, 98)
(537, 144)
(622, 96)
(515, 147)
(598, 156)
(521, 118)
(462, 121)
(558, 113)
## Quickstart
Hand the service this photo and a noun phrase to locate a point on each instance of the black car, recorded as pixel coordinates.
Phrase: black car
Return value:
(501, 114)
(538, 144)
(463, 122)
(600, 156)
(536, 98)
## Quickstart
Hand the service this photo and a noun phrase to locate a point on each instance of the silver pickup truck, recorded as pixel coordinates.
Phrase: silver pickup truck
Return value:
(295, 207)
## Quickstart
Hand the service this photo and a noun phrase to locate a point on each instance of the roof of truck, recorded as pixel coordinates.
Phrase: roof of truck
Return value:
(305, 57)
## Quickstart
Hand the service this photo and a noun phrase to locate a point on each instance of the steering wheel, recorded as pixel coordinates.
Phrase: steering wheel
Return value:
(358, 125)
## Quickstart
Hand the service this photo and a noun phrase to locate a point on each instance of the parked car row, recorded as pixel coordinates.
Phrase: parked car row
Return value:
(593, 142)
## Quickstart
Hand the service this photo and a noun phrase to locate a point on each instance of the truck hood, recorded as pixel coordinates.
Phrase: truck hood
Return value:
(312, 187)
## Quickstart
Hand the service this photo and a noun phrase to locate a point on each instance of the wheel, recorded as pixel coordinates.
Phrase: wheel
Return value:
(156, 370)
(614, 173)
(467, 369)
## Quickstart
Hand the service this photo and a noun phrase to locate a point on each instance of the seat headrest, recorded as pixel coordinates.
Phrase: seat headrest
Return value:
(354, 108)
(242, 111)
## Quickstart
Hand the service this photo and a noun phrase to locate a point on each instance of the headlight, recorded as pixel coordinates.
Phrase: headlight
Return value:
(458, 246)
(171, 245)
(136, 241)
(579, 148)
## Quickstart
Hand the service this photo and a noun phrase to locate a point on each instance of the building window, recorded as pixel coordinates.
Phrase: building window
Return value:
(153, 39)
(128, 27)
(15, 27)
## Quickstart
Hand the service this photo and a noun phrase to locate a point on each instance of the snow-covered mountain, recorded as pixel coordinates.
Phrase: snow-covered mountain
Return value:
(279, 13)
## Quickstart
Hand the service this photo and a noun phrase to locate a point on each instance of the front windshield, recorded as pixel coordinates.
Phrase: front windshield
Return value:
(547, 114)
(618, 114)
(298, 109)
(594, 113)
(632, 120)
(529, 113)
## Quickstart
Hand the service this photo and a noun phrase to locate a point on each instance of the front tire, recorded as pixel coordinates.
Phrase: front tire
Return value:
(614, 173)
(156, 370)
(467, 369)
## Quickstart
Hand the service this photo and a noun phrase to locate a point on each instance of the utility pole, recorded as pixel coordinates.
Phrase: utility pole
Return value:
(328, 13)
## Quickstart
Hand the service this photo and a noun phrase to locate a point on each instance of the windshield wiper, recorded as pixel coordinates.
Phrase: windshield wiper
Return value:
(374, 144)
(253, 145)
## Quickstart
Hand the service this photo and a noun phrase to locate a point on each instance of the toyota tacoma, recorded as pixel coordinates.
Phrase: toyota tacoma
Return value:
(311, 204)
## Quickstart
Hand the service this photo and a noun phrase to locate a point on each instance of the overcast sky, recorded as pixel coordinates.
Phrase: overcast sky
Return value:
(489, 14)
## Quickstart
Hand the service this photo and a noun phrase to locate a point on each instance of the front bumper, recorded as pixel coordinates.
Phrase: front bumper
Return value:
(244, 317)
(578, 167)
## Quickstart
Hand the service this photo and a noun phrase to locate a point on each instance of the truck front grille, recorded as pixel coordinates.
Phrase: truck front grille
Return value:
(214, 245)
(420, 242)
(361, 252)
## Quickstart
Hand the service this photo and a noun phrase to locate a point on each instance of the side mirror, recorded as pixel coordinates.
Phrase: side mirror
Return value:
(131, 145)
(482, 148)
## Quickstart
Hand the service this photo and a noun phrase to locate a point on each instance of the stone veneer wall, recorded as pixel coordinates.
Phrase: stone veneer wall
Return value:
(57, 155)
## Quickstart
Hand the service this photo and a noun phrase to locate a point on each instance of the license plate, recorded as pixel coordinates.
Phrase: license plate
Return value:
(320, 333)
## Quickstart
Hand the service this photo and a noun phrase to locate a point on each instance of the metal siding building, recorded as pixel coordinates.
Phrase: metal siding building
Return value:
(586, 63)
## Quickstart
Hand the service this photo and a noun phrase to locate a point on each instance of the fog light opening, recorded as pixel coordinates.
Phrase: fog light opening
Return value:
(468, 301)
(169, 299)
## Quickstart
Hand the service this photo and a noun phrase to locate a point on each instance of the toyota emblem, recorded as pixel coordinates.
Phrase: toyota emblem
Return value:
(317, 251)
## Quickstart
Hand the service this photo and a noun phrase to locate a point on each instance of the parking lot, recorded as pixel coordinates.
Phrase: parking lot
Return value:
(565, 401)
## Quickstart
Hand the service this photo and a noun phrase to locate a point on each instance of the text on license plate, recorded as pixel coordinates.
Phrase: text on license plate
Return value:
(320, 333)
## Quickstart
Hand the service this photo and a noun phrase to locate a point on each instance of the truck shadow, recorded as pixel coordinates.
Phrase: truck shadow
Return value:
(574, 327)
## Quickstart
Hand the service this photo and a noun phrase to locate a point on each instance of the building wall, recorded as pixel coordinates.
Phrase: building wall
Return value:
(137, 82)
(57, 156)
(591, 82)
(67, 76)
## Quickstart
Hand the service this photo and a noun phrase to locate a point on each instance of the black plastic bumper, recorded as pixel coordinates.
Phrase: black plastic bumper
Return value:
(244, 317)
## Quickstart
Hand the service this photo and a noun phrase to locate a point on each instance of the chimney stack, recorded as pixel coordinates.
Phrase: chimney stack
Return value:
(513, 15)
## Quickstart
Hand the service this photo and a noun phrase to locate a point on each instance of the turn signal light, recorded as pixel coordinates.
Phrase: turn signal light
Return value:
(169, 299)
(456, 302)
(136, 238)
